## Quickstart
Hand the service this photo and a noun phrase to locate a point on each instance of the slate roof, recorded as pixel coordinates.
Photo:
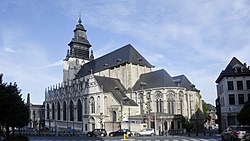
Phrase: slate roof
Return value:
(230, 70)
(184, 82)
(116, 88)
(125, 54)
(159, 78)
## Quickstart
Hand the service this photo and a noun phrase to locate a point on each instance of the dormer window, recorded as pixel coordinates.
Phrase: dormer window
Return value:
(139, 60)
(119, 60)
(105, 65)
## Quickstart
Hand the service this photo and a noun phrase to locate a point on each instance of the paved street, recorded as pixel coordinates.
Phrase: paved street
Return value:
(155, 138)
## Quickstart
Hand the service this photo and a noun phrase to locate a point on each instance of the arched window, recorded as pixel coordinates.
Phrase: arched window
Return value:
(71, 111)
(58, 111)
(114, 116)
(79, 110)
(107, 105)
(64, 110)
(53, 111)
(98, 104)
(159, 102)
(48, 111)
(92, 105)
(85, 106)
(171, 103)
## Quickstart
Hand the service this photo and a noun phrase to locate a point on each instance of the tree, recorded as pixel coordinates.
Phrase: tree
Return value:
(243, 116)
(205, 108)
(186, 124)
(13, 112)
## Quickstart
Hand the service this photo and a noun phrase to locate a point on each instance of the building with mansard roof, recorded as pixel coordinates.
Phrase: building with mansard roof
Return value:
(118, 90)
(233, 91)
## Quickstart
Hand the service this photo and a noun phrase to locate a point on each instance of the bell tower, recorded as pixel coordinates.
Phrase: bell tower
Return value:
(77, 54)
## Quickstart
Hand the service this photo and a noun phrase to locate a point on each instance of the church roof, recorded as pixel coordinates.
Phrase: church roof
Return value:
(184, 82)
(125, 54)
(116, 88)
(159, 78)
(234, 68)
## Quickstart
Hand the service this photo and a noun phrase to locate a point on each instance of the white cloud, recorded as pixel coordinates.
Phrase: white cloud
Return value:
(21, 61)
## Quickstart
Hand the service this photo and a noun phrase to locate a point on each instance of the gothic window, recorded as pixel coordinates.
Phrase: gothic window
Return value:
(171, 104)
(64, 110)
(53, 111)
(85, 106)
(106, 102)
(92, 105)
(71, 111)
(79, 110)
(114, 118)
(159, 102)
(181, 101)
(141, 102)
(98, 104)
(58, 111)
(48, 111)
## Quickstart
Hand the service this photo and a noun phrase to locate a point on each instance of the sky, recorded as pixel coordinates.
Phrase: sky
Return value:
(197, 38)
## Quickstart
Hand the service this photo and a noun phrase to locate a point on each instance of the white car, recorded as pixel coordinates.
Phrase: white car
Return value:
(146, 132)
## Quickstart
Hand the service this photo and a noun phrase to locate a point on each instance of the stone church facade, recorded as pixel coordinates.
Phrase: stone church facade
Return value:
(116, 89)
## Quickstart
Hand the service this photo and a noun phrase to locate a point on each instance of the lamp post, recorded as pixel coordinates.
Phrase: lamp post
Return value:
(124, 98)
(129, 119)
(101, 120)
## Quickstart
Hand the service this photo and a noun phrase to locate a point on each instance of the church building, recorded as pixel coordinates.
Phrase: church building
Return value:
(118, 90)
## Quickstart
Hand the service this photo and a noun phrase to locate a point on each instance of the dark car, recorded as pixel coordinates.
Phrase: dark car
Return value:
(235, 133)
(120, 132)
(97, 132)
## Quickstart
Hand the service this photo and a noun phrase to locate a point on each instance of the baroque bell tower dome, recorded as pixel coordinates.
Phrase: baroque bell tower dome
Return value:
(77, 54)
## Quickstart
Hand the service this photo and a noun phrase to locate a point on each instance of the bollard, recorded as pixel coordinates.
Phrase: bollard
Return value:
(125, 136)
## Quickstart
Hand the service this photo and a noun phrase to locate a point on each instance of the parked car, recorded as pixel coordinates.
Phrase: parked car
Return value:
(97, 132)
(235, 133)
(146, 132)
(120, 132)
(246, 137)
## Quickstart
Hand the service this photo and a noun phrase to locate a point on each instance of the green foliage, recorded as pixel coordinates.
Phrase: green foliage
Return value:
(205, 108)
(243, 116)
(186, 124)
(13, 111)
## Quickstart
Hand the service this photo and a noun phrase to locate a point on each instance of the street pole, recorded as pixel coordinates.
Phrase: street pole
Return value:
(129, 118)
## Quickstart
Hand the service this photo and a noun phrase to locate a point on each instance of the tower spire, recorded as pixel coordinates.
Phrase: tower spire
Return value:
(80, 18)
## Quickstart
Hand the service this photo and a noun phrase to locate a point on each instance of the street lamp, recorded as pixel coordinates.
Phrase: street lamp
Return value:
(129, 119)
(124, 98)
(101, 120)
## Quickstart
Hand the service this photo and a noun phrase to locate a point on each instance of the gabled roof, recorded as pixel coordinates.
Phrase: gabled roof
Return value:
(184, 82)
(115, 87)
(234, 68)
(125, 54)
(159, 78)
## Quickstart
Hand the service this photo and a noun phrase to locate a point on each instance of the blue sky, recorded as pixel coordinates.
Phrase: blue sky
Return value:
(197, 38)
